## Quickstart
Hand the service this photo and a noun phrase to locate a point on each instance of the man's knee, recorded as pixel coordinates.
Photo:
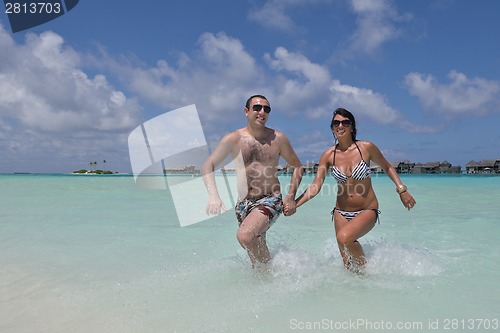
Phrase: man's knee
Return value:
(245, 236)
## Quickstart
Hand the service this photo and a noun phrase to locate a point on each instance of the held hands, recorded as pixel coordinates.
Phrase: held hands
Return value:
(215, 206)
(289, 206)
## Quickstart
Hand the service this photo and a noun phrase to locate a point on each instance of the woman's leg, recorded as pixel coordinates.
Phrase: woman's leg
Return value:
(348, 232)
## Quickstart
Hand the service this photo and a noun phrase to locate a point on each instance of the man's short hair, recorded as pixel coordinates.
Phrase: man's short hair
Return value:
(247, 105)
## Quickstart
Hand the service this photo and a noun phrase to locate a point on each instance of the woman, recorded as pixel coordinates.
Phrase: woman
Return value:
(356, 210)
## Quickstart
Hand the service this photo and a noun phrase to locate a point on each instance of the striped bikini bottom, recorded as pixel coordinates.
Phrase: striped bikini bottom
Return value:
(350, 215)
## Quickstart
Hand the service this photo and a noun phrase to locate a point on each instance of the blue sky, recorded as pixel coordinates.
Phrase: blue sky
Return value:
(421, 77)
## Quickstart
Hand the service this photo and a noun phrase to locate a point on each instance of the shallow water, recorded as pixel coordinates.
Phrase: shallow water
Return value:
(100, 254)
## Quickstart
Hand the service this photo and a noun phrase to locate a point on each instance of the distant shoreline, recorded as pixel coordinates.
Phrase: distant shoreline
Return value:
(231, 174)
(62, 174)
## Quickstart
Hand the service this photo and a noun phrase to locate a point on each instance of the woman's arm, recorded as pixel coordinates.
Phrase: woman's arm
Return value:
(377, 157)
(318, 181)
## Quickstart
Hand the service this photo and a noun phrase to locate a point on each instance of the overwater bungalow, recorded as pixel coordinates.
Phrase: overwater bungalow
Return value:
(483, 166)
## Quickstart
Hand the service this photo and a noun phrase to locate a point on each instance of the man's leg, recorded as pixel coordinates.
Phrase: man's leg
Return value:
(252, 236)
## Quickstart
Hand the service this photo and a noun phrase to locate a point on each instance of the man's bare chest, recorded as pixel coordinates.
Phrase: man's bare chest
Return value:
(260, 152)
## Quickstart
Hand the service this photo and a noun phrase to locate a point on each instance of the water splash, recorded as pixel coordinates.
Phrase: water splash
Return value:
(401, 259)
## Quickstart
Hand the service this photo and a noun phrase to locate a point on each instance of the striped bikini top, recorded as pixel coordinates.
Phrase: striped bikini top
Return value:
(361, 170)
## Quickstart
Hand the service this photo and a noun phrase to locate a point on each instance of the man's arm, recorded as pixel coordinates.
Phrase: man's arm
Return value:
(292, 159)
(215, 205)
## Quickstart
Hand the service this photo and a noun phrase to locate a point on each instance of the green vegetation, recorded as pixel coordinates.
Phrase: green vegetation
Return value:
(94, 171)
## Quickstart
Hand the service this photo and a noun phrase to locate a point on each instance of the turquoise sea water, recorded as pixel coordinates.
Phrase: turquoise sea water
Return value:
(100, 254)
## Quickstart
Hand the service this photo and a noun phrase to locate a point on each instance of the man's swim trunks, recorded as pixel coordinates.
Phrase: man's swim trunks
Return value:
(270, 205)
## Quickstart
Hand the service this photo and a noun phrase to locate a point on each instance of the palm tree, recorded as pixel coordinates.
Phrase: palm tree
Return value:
(104, 163)
(93, 165)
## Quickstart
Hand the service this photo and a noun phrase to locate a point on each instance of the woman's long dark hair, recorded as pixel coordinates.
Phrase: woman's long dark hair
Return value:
(344, 113)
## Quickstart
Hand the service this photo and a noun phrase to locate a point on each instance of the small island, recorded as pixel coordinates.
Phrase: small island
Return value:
(94, 171)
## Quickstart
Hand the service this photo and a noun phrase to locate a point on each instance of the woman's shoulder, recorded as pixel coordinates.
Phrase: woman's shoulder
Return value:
(368, 148)
(365, 144)
(329, 150)
(327, 153)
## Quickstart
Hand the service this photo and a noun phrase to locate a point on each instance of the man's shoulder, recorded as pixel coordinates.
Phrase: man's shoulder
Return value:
(233, 136)
(281, 137)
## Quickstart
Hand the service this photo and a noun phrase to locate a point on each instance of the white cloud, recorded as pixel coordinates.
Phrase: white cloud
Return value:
(227, 55)
(273, 14)
(310, 85)
(216, 78)
(44, 89)
(304, 83)
(363, 101)
(376, 24)
(461, 95)
(377, 21)
(223, 74)
(52, 112)
(50, 105)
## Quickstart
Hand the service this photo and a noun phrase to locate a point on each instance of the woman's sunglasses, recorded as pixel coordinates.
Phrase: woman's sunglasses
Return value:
(258, 107)
(345, 123)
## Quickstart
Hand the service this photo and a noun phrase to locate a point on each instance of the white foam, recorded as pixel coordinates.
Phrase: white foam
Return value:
(401, 259)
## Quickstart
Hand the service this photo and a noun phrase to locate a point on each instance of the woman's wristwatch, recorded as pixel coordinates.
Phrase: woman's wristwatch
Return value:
(401, 189)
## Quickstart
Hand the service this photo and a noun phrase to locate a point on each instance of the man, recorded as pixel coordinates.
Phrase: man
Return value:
(256, 150)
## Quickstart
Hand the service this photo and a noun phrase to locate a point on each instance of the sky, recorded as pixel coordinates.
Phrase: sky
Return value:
(421, 77)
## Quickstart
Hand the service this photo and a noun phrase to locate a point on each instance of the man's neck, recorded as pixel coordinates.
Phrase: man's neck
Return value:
(256, 132)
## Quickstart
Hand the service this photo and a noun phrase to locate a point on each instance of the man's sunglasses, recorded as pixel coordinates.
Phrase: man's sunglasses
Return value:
(345, 123)
(258, 107)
